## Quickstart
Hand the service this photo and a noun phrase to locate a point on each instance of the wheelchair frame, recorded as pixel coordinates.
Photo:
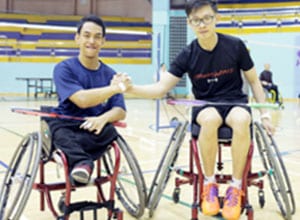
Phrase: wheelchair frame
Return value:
(131, 192)
(273, 167)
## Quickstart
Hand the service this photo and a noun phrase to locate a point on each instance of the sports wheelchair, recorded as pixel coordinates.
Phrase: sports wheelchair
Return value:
(272, 162)
(271, 97)
(122, 178)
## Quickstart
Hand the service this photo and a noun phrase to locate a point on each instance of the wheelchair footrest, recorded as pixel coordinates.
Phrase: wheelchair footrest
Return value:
(86, 206)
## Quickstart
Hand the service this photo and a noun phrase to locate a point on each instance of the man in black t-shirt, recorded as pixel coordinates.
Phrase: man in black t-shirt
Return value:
(215, 63)
(267, 82)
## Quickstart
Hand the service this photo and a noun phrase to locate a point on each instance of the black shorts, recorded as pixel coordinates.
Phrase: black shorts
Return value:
(68, 131)
(222, 109)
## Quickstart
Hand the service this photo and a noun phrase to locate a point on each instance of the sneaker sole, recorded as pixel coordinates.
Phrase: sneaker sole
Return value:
(81, 176)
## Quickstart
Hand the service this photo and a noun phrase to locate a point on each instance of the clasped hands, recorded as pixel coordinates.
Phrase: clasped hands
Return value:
(121, 81)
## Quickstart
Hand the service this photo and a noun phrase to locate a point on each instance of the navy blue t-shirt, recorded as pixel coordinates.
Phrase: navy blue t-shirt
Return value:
(71, 76)
(215, 75)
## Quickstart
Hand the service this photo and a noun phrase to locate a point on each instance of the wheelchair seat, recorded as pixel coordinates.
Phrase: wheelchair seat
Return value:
(224, 132)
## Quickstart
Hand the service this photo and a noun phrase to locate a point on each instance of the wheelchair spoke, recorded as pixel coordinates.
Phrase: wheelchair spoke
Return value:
(164, 169)
(276, 173)
(130, 186)
(279, 161)
(19, 177)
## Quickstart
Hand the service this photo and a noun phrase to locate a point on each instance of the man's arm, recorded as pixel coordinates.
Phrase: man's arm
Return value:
(156, 90)
(259, 96)
(113, 115)
(92, 97)
(96, 124)
(255, 85)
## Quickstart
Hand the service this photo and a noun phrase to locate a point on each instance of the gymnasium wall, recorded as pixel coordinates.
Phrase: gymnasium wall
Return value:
(124, 8)
(275, 40)
(9, 86)
(281, 50)
(278, 46)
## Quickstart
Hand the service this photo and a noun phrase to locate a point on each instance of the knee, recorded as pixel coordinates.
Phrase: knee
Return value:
(209, 119)
(239, 121)
(241, 125)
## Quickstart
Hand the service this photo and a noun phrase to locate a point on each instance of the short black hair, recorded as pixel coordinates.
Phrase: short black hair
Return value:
(91, 18)
(192, 5)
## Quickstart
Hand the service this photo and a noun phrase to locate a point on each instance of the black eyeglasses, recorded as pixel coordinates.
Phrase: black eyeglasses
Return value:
(205, 20)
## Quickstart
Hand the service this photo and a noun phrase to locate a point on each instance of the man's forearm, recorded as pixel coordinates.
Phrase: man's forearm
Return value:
(147, 91)
(92, 97)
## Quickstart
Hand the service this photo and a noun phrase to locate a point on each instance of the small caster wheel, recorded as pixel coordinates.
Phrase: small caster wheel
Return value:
(176, 195)
(61, 204)
(261, 198)
(174, 121)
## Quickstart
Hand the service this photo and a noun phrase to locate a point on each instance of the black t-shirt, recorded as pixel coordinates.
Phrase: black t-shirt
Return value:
(266, 75)
(215, 75)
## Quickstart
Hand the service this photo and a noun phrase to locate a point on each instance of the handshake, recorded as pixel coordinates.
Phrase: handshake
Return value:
(121, 81)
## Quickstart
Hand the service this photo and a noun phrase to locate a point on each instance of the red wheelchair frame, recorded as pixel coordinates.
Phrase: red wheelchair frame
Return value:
(123, 179)
(196, 179)
(273, 164)
(65, 205)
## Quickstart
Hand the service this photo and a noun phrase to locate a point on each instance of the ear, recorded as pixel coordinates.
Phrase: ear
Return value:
(103, 41)
(218, 17)
(188, 22)
(76, 38)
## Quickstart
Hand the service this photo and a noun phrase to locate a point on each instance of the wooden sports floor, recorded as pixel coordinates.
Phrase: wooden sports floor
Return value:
(149, 145)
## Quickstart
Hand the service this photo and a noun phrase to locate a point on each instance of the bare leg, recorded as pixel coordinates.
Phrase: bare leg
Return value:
(210, 121)
(239, 120)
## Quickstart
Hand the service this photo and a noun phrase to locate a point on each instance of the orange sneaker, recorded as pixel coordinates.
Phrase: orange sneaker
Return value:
(210, 202)
(232, 203)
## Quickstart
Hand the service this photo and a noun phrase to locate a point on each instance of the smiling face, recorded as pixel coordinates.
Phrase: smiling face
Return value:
(90, 40)
(203, 22)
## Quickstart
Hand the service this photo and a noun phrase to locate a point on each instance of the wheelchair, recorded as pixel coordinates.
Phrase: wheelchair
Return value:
(120, 178)
(271, 97)
(271, 159)
(163, 171)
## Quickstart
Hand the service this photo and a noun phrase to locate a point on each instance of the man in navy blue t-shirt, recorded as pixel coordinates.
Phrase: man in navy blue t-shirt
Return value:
(85, 89)
(215, 63)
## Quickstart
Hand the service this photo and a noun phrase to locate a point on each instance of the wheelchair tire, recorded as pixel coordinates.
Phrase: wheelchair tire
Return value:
(19, 177)
(278, 178)
(165, 166)
(130, 187)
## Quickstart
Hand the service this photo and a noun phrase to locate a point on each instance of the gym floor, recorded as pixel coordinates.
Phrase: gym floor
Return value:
(149, 145)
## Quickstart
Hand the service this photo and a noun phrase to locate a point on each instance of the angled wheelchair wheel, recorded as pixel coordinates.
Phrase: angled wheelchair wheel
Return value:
(130, 186)
(165, 166)
(19, 177)
(275, 169)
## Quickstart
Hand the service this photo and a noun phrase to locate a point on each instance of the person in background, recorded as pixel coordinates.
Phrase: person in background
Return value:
(215, 63)
(84, 89)
(266, 79)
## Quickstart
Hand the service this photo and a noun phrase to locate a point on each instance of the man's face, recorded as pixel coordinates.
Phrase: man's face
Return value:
(203, 22)
(90, 39)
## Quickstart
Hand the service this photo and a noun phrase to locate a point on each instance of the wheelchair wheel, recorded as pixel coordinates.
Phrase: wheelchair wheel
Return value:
(278, 177)
(165, 166)
(19, 177)
(130, 186)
